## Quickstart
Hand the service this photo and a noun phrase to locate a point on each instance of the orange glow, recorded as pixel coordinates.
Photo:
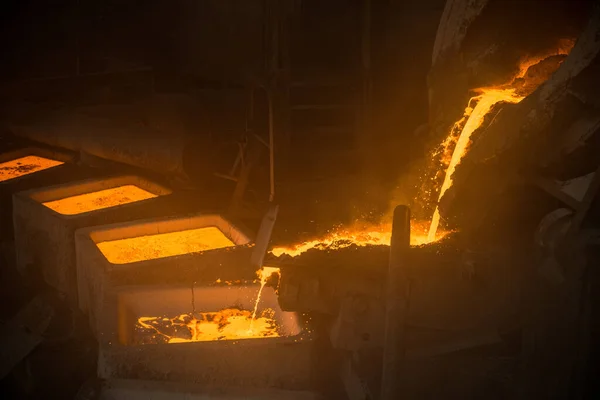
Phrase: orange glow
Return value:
(563, 47)
(25, 166)
(264, 273)
(227, 324)
(374, 235)
(141, 248)
(473, 118)
(449, 154)
(99, 200)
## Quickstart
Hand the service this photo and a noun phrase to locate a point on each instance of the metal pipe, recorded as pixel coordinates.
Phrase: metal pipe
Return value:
(271, 148)
(397, 303)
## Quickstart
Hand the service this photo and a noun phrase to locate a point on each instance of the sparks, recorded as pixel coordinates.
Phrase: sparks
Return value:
(473, 118)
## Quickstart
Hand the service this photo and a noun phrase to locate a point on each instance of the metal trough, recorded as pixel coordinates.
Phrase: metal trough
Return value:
(153, 313)
(32, 167)
(175, 250)
(45, 221)
(282, 362)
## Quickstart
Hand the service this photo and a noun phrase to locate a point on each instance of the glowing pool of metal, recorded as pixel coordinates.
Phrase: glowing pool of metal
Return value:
(284, 361)
(99, 200)
(149, 247)
(24, 166)
(182, 315)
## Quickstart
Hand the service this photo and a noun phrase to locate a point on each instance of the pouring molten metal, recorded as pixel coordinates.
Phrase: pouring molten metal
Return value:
(513, 92)
(530, 75)
(227, 324)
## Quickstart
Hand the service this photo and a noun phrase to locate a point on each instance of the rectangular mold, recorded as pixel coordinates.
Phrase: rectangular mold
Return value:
(99, 200)
(99, 279)
(283, 362)
(34, 177)
(160, 301)
(23, 162)
(44, 238)
(25, 165)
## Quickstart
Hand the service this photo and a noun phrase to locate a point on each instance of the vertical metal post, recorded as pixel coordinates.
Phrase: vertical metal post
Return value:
(366, 117)
(271, 148)
(274, 20)
(397, 301)
(77, 39)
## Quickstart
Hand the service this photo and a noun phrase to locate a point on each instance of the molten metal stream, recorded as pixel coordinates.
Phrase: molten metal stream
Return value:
(488, 98)
(264, 273)
(227, 324)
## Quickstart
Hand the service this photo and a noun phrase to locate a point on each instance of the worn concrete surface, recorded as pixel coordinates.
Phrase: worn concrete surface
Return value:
(282, 363)
(139, 389)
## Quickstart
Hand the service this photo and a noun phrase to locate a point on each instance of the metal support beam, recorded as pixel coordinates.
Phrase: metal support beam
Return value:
(397, 303)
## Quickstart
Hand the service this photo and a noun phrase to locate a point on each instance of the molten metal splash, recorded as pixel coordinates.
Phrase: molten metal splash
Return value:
(25, 166)
(474, 117)
(227, 324)
(450, 153)
(374, 235)
(99, 200)
(142, 248)
(264, 273)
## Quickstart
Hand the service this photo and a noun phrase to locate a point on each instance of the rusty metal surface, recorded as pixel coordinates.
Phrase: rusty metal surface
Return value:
(446, 293)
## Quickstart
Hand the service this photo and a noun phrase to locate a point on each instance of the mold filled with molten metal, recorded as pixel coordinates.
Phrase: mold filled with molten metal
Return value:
(149, 247)
(227, 324)
(232, 323)
(25, 166)
(99, 200)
